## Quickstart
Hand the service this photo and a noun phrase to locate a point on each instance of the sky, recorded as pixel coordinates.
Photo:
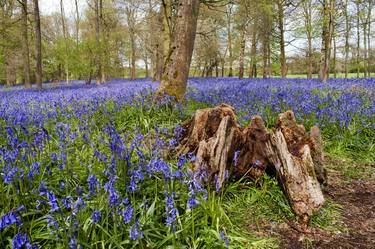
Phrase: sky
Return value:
(50, 6)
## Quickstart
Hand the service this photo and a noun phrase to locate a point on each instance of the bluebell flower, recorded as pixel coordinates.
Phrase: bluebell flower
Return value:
(128, 214)
(224, 238)
(93, 184)
(9, 219)
(96, 216)
(73, 243)
(52, 201)
(21, 240)
(135, 232)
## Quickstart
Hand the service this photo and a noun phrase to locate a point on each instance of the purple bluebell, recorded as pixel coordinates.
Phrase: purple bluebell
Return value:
(9, 219)
(135, 231)
(96, 216)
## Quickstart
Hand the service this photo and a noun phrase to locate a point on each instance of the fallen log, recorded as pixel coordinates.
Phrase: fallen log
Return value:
(223, 148)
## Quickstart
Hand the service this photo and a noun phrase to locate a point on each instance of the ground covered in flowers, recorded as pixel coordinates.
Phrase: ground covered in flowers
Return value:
(91, 166)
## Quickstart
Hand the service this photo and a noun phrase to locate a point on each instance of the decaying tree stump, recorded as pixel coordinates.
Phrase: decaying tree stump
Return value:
(223, 148)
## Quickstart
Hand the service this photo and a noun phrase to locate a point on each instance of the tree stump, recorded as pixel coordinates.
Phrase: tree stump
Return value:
(223, 148)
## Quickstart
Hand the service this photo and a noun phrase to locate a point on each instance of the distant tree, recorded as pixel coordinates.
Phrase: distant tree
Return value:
(25, 45)
(327, 32)
(38, 46)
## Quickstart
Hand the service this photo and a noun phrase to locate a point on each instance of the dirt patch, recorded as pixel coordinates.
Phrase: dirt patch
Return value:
(357, 199)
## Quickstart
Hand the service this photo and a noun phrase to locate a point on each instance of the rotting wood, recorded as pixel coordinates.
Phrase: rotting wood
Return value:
(223, 148)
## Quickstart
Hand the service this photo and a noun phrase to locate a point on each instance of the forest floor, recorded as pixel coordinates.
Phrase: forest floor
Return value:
(352, 187)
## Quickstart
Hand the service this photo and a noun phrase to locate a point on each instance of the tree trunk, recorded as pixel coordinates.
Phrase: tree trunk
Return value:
(230, 47)
(253, 54)
(307, 8)
(334, 66)
(102, 43)
(358, 38)
(177, 67)
(38, 46)
(77, 21)
(98, 54)
(369, 17)
(146, 65)
(131, 27)
(364, 49)
(65, 35)
(223, 149)
(283, 69)
(347, 35)
(242, 53)
(265, 57)
(25, 46)
(326, 40)
(10, 68)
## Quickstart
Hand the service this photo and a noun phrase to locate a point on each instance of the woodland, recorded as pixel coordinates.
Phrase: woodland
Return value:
(187, 124)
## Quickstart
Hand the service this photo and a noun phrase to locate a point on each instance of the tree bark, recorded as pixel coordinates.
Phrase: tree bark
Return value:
(98, 54)
(334, 66)
(102, 43)
(77, 21)
(242, 54)
(283, 68)
(358, 38)
(38, 46)
(65, 35)
(253, 54)
(326, 39)
(223, 149)
(347, 36)
(369, 17)
(307, 9)
(131, 27)
(365, 49)
(230, 47)
(265, 57)
(25, 46)
(177, 67)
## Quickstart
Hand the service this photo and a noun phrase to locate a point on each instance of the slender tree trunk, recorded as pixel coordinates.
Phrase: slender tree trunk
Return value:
(253, 54)
(364, 49)
(98, 53)
(222, 67)
(131, 24)
(369, 17)
(38, 46)
(10, 68)
(146, 66)
(230, 47)
(358, 39)
(307, 8)
(269, 59)
(242, 53)
(77, 21)
(334, 58)
(283, 68)
(65, 34)
(347, 34)
(25, 46)
(176, 73)
(102, 43)
(265, 58)
(326, 39)
(133, 55)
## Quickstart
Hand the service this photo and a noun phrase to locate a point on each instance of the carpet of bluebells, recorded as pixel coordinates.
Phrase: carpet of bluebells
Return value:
(90, 166)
